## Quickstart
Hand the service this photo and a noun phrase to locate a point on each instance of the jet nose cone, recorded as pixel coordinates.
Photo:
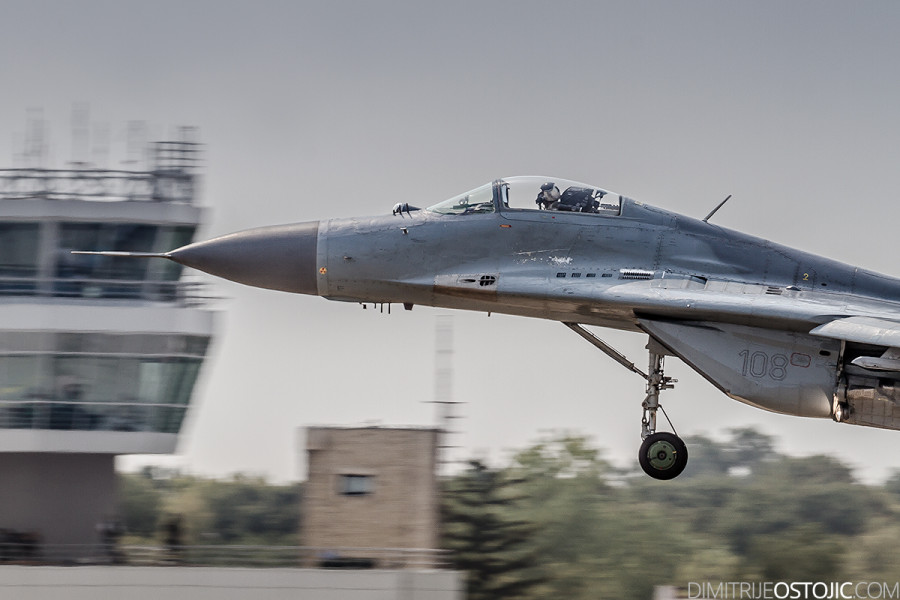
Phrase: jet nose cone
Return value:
(282, 257)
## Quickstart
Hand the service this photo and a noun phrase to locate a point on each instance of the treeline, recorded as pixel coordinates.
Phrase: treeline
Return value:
(558, 521)
(241, 510)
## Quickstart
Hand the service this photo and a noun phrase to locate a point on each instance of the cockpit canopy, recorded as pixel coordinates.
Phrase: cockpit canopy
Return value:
(479, 200)
(532, 193)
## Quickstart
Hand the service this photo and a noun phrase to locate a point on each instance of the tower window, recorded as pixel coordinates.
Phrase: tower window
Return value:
(357, 485)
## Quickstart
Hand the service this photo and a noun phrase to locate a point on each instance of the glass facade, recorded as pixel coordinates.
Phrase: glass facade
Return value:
(63, 274)
(70, 357)
(18, 257)
(117, 276)
(97, 382)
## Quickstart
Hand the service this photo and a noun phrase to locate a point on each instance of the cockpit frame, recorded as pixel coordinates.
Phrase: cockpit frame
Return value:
(513, 195)
(570, 197)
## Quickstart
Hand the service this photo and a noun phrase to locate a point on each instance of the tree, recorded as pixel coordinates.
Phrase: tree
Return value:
(249, 508)
(488, 542)
(746, 449)
(594, 538)
(749, 447)
(139, 504)
(801, 553)
(241, 510)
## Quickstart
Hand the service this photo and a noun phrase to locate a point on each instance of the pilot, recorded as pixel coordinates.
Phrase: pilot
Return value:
(548, 199)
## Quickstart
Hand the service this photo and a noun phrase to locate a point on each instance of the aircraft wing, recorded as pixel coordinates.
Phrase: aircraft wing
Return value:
(872, 331)
(862, 330)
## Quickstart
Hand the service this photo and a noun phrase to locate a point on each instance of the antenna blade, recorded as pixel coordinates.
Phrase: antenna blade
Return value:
(713, 211)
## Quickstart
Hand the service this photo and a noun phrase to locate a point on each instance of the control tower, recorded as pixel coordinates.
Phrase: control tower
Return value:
(98, 355)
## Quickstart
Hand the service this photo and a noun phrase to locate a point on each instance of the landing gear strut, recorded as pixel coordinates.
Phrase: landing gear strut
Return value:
(662, 455)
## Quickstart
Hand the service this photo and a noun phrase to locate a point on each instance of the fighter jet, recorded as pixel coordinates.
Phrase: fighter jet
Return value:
(776, 328)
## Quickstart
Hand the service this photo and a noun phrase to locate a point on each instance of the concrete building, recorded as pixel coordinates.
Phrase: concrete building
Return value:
(98, 355)
(372, 488)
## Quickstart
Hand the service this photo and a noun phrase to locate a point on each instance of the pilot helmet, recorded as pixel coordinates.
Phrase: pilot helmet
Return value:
(550, 190)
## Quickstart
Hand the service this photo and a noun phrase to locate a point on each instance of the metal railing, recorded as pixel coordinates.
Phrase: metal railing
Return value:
(224, 555)
(175, 183)
(182, 293)
(61, 415)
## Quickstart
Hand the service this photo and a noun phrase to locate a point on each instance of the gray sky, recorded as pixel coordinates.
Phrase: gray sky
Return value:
(317, 110)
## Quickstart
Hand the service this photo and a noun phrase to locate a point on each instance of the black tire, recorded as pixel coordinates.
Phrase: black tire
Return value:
(663, 455)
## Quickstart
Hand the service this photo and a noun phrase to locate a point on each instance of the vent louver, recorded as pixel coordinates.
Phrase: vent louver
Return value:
(635, 274)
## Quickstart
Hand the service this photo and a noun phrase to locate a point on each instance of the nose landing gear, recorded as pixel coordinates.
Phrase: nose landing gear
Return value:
(662, 455)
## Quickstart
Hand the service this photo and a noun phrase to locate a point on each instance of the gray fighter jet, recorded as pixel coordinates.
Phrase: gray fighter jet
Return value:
(774, 327)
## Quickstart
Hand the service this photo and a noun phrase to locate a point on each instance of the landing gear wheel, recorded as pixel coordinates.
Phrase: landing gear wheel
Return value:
(663, 455)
